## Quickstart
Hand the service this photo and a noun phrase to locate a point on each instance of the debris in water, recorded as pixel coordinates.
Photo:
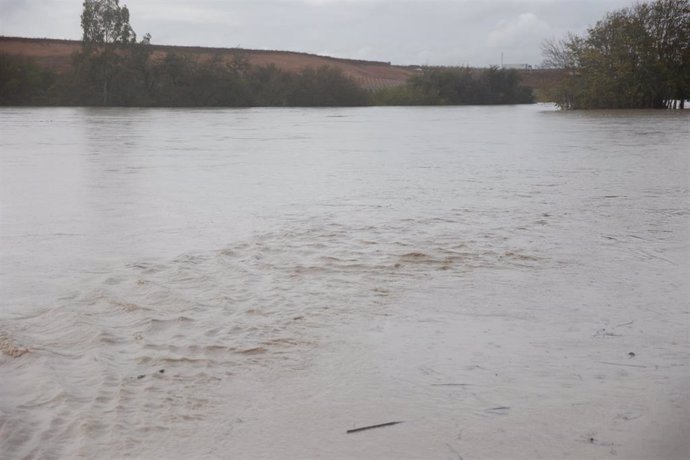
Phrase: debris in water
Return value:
(450, 384)
(139, 377)
(371, 427)
(603, 333)
(500, 410)
(9, 348)
(624, 365)
(253, 351)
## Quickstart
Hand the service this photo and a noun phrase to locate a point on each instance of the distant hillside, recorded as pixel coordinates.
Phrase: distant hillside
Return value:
(57, 54)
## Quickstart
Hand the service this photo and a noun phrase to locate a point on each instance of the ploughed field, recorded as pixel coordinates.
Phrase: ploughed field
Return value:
(57, 54)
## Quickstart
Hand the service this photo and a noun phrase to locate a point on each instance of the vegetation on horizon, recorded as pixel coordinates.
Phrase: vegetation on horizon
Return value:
(113, 69)
(458, 86)
(637, 57)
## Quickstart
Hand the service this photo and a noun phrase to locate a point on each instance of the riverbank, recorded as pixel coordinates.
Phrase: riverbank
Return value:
(57, 55)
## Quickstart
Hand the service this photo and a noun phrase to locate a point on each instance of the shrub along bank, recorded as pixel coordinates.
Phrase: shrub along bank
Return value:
(131, 78)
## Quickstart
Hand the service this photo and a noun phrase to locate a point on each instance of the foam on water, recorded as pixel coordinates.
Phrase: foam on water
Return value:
(130, 354)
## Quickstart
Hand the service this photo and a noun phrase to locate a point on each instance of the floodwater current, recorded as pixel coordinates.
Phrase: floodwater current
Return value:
(508, 282)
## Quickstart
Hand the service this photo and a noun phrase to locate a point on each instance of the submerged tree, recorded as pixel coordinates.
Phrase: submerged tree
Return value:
(325, 87)
(461, 86)
(637, 57)
(22, 82)
(107, 35)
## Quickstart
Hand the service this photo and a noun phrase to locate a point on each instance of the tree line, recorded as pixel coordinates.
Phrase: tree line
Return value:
(134, 79)
(637, 57)
(113, 68)
(458, 86)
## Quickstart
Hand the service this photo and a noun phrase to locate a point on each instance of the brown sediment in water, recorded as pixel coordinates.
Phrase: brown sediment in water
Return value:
(11, 349)
(490, 334)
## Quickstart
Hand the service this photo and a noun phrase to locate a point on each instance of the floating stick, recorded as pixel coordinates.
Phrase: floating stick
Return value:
(625, 365)
(364, 428)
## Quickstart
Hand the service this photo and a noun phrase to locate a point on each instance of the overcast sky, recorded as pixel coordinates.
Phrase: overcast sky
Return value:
(436, 32)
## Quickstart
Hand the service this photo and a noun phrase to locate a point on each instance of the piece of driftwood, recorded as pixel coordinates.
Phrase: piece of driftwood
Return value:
(629, 323)
(624, 365)
(371, 427)
(451, 384)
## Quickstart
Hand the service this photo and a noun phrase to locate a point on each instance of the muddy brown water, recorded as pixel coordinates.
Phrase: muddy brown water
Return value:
(508, 282)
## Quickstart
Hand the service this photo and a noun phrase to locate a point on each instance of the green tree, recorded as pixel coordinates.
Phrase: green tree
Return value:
(325, 86)
(403, 95)
(637, 57)
(270, 86)
(22, 82)
(106, 34)
(465, 86)
(105, 22)
(185, 81)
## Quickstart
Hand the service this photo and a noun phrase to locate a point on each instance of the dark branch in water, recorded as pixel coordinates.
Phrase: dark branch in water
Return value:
(624, 365)
(450, 384)
(371, 427)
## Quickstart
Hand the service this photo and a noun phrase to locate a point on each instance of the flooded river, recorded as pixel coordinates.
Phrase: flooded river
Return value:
(508, 282)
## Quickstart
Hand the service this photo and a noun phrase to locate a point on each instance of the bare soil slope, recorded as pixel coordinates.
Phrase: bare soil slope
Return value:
(57, 54)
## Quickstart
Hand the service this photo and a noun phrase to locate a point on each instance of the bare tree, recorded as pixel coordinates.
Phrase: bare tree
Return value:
(560, 53)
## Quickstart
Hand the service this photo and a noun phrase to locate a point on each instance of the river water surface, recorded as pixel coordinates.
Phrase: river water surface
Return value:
(509, 282)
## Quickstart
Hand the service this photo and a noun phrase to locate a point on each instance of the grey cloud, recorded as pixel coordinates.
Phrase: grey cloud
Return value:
(449, 32)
